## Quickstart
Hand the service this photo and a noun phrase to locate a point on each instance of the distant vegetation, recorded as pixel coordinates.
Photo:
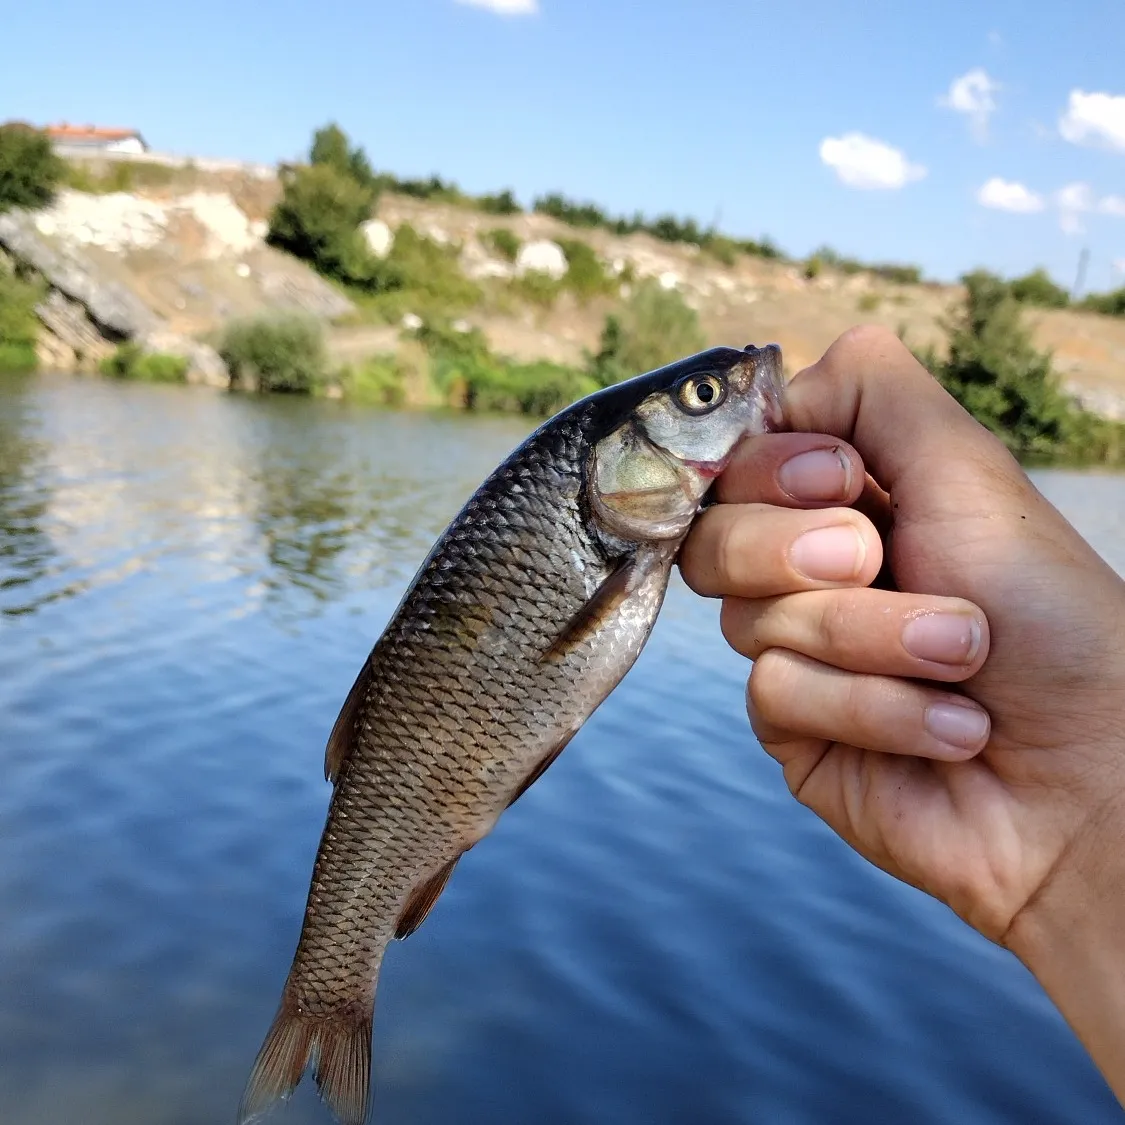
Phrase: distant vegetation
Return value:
(994, 370)
(654, 327)
(19, 327)
(30, 172)
(281, 354)
(129, 361)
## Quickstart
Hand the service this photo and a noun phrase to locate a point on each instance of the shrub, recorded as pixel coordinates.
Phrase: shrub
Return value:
(868, 302)
(576, 214)
(19, 327)
(1109, 304)
(317, 220)
(331, 148)
(814, 267)
(537, 288)
(654, 327)
(30, 172)
(420, 264)
(506, 243)
(129, 361)
(994, 370)
(502, 204)
(284, 354)
(585, 274)
(723, 250)
(379, 381)
(1037, 288)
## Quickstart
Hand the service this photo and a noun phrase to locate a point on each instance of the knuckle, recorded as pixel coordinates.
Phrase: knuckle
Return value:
(868, 338)
(737, 628)
(834, 625)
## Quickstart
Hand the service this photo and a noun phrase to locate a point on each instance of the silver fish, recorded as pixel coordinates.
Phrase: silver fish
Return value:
(528, 611)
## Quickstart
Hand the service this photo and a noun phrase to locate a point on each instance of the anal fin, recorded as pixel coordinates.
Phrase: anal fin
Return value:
(421, 900)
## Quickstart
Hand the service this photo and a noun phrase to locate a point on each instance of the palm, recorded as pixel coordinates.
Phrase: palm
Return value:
(983, 835)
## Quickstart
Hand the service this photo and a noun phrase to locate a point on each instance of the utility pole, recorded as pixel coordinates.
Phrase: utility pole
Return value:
(1080, 280)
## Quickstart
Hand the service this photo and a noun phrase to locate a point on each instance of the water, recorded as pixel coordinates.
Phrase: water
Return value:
(656, 933)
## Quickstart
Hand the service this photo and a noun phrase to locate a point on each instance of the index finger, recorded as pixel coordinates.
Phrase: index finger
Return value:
(792, 470)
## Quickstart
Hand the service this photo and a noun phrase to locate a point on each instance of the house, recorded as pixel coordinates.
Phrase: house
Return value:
(89, 140)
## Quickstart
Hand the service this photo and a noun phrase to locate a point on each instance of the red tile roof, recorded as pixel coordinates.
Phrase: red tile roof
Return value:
(88, 133)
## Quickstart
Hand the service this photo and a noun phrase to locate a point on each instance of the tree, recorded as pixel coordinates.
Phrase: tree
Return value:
(655, 327)
(29, 169)
(331, 147)
(1037, 288)
(995, 371)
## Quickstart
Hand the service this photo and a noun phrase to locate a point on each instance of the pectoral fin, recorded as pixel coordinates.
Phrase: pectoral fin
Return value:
(599, 607)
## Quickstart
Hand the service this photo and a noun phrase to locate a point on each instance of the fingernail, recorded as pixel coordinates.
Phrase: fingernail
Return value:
(960, 725)
(944, 638)
(829, 554)
(821, 474)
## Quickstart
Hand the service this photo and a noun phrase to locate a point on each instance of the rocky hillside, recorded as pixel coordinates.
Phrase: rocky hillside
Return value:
(170, 264)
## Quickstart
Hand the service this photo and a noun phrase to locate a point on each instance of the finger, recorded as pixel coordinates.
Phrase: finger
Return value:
(792, 697)
(868, 389)
(863, 630)
(757, 550)
(793, 470)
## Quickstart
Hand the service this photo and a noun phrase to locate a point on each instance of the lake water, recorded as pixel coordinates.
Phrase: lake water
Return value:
(656, 934)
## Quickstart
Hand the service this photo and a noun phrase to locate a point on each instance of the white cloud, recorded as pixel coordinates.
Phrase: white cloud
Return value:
(973, 95)
(505, 7)
(1119, 265)
(1007, 195)
(1112, 205)
(1094, 119)
(1073, 201)
(865, 163)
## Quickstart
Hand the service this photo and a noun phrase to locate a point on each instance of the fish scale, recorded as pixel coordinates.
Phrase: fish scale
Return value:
(527, 612)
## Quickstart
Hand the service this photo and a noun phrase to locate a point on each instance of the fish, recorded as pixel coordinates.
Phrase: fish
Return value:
(527, 612)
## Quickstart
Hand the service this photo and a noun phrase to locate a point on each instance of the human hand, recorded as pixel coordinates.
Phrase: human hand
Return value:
(1018, 826)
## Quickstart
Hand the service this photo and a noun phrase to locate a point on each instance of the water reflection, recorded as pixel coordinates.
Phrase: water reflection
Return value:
(25, 550)
(290, 505)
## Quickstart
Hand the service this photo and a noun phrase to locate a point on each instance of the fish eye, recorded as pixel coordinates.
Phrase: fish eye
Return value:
(700, 393)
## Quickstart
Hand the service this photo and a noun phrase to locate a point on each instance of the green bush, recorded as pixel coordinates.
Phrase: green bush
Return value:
(653, 328)
(1108, 304)
(537, 288)
(129, 361)
(419, 264)
(317, 219)
(30, 172)
(280, 354)
(585, 274)
(868, 302)
(502, 204)
(468, 374)
(19, 327)
(1037, 288)
(506, 243)
(994, 370)
(379, 381)
(814, 267)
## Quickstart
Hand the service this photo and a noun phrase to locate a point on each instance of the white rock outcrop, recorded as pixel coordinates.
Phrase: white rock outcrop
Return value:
(542, 257)
(379, 237)
(119, 221)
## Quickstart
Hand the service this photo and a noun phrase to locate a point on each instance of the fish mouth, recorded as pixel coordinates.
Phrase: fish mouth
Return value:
(712, 469)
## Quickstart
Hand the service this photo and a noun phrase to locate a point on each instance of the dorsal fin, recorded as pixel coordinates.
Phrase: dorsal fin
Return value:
(342, 738)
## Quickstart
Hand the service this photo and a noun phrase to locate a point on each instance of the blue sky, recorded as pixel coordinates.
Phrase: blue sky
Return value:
(765, 112)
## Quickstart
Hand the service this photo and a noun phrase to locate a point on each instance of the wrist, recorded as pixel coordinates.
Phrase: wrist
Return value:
(1071, 937)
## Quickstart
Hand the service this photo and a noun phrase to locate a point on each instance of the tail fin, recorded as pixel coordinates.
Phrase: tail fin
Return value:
(341, 1047)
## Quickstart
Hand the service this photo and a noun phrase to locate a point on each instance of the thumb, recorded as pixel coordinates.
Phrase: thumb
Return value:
(868, 389)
